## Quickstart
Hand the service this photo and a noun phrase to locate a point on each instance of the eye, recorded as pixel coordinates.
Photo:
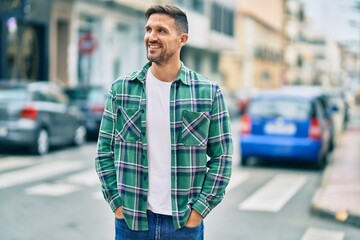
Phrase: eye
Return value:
(148, 30)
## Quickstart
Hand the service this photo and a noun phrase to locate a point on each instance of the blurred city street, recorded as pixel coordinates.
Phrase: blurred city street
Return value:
(58, 196)
(289, 72)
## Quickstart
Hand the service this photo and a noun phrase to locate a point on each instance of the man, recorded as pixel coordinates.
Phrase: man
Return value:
(159, 126)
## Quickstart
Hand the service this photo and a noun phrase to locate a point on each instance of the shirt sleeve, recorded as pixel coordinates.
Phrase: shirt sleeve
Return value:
(104, 162)
(219, 149)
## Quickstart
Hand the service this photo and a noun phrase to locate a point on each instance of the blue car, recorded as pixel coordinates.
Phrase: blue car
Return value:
(285, 126)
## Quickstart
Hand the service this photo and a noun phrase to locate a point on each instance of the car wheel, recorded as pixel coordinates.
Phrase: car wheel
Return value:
(79, 136)
(41, 146)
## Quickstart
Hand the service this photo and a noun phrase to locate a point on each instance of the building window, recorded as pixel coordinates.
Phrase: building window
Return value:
(198, 5)
(23, 51)
(222, 19)
(88, 58)
(229, 22)
(266, 76)
(180, 2)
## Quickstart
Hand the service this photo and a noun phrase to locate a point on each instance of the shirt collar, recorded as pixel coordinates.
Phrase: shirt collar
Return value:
(183, 75)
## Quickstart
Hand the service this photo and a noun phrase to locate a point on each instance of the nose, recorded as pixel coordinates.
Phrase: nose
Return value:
(151, 36)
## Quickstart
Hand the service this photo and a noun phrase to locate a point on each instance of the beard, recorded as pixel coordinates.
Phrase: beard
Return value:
(161, 58)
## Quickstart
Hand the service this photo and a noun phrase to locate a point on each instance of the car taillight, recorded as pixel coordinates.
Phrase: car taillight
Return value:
(245, 124)
(29, 112)
(315, 129)
(97, 108)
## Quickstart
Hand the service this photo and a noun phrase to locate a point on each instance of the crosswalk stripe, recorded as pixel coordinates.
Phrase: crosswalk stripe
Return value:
(86, 178)
(37, 173)
(237, 177)
(316, 234)
(52, 189)
(9, 164)
(65, 186)
(275, 194)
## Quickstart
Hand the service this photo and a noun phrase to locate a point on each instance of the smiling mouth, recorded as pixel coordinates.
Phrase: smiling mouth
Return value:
(153, 46)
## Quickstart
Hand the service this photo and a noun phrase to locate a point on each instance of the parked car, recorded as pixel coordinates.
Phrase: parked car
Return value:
(37, 116)
(285, 126)
(91, 101)
(324, 97)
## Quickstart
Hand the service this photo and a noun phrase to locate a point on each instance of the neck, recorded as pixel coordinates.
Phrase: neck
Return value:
(166, 72)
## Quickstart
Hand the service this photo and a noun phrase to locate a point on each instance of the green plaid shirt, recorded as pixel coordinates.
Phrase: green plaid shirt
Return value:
(200, 128)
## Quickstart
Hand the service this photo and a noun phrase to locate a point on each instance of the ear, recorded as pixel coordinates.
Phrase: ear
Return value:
(183, 39)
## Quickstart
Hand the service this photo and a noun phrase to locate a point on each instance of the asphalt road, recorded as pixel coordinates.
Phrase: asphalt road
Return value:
(57, 197)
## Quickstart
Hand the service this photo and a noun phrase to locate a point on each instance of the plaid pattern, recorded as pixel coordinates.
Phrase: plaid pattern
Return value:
(200, 128)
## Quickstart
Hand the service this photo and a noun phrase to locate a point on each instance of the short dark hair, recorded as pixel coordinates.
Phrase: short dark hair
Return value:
(176, 13)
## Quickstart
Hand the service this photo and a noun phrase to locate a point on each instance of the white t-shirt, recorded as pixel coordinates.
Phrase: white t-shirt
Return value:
(159, 144)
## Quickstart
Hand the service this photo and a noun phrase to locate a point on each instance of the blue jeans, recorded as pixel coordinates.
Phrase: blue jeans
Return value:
(160, 227)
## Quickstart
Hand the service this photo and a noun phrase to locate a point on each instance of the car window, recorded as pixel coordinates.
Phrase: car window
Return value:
(59, 97)
(320, 112)
(40, 96)
(13, 95)
(96, 95)
(287, 108)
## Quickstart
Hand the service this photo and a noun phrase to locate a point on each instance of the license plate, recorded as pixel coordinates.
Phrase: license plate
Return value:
(280, 128)
(3, 132)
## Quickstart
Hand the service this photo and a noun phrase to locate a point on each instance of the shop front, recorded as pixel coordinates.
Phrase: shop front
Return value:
(24, 28)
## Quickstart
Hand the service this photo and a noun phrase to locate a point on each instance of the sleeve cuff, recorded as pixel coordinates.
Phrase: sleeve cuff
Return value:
(115, 202)
(201, 207)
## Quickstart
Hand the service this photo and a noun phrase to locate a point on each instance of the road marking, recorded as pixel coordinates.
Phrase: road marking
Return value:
(316, 234)
(87, 178)
(38, 172)
(237, 177)
(52, 189)
(98, 195)
(9, 164)
(65, 186)
(275, 194)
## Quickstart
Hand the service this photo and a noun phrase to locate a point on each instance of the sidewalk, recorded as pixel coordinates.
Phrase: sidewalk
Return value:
(338, 196)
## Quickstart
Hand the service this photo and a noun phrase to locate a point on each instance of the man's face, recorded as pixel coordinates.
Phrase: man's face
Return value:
(162, 40)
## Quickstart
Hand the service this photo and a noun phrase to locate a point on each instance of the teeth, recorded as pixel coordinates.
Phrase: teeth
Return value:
(154, 46)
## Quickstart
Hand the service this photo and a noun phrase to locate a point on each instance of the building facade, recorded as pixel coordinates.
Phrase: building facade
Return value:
(94, 42)
(257, 61)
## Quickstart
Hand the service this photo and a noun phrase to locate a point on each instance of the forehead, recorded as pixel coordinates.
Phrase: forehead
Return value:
(160, 20)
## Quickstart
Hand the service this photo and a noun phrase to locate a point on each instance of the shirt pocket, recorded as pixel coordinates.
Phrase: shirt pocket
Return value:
(128, 124)
(195, 128)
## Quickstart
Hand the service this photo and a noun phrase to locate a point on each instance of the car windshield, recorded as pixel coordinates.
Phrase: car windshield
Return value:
(18, 94)
(287, 108)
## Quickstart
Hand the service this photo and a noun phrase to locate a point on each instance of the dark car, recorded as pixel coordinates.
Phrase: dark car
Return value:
(91, 101)
(37, 115)
(285, 126)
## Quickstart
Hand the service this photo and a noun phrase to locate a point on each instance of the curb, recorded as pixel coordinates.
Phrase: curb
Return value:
(343, 216)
